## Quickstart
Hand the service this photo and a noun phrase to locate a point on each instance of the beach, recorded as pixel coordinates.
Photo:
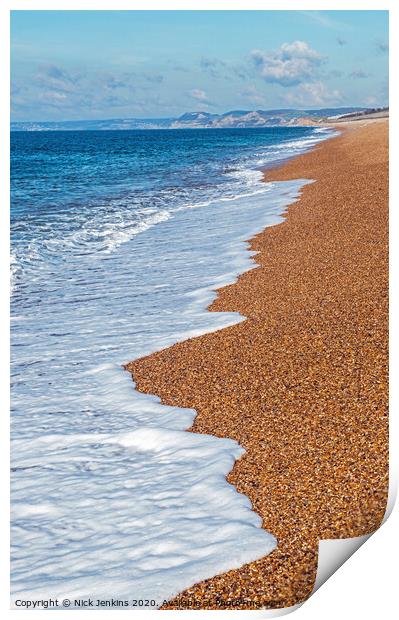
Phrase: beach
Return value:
(162, 243)
(301, 385)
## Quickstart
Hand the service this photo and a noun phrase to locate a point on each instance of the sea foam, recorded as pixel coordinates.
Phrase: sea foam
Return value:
(111, 497)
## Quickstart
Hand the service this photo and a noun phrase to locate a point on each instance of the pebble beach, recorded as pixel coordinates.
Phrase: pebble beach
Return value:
(302, 383)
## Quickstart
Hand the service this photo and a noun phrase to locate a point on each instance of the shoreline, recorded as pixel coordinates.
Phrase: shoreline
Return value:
(296, 381)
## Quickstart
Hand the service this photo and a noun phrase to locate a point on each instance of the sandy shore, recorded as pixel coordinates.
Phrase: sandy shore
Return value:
(302, 384)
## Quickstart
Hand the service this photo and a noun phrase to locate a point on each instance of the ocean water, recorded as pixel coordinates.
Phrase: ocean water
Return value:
(119, 240)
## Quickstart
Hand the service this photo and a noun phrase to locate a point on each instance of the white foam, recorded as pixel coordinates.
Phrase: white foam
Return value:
(134, 502)
(111, 496)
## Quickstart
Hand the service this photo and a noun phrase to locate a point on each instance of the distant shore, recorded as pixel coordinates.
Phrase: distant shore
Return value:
(302, 383)
(369, 116)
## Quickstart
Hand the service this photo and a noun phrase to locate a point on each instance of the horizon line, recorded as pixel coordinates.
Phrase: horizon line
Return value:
(299, 109)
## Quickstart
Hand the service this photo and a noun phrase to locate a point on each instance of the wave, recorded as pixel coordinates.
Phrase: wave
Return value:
(107, 225)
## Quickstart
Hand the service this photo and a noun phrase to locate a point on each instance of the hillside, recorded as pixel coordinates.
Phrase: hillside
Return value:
(199, 120)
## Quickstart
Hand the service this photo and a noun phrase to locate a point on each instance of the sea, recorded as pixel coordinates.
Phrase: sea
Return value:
(120, 240)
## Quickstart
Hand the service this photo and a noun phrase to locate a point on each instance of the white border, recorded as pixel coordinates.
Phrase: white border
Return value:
(365, 586)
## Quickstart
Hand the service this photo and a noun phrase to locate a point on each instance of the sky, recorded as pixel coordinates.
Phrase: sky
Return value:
(68, 65)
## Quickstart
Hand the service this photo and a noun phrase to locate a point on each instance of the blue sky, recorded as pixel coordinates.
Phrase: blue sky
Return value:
(107, 64)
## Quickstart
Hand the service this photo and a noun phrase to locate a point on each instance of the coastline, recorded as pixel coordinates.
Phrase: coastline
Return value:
(194, 251)
(296, 383)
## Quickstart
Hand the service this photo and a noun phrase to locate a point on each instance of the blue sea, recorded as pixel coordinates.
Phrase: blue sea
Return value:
(119, 240)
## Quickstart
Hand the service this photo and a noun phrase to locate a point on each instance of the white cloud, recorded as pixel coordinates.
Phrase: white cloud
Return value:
(321, 17)
(313, 94)
(54, 95)
(199, 95)
(289, 65)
